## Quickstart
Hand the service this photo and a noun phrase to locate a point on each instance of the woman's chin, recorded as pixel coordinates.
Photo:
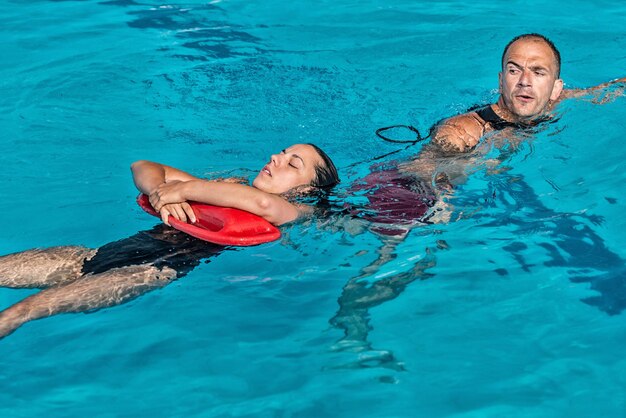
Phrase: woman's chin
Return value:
(260, 183)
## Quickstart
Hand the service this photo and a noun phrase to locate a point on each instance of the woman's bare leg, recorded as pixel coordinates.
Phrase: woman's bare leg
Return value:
(86, 293)
(39, 268)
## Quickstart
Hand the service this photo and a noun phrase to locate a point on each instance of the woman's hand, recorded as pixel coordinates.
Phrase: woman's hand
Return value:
(168, 199)
(166, 193)
(181, 211)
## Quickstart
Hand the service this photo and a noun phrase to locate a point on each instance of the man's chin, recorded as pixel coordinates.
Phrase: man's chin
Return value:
(526, 114)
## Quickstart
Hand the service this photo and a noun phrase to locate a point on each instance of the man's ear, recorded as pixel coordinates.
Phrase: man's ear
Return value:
(500, 82)
(556, 90)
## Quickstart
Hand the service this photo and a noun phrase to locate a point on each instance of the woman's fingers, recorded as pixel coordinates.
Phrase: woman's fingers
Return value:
(164, 200)
(189, 211)
(165, 214)
(155, 201)
(168, 193)
(178, 212)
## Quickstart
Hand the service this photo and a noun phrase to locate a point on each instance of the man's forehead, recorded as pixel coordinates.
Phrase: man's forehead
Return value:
(531, 49)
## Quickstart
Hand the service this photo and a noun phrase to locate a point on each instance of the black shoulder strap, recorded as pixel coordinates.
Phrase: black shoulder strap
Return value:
(488, 115)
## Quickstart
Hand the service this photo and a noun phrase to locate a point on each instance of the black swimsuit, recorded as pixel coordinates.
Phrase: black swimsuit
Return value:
(496, 122)
(488, 115)
(160, 246)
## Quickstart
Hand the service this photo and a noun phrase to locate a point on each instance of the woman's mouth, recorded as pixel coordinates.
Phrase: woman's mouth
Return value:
(267, 171)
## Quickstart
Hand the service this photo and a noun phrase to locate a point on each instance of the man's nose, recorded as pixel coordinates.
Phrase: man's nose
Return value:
(524, 79)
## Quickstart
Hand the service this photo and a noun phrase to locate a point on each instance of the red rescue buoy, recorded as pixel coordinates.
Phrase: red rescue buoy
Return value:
(219, 225)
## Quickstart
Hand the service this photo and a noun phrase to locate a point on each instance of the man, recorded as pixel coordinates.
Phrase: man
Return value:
(530, 86)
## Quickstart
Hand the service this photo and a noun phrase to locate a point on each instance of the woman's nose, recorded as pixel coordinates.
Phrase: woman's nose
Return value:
(275, 159)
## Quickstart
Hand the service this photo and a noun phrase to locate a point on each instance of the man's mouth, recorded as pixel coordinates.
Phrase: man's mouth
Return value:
(525, 98)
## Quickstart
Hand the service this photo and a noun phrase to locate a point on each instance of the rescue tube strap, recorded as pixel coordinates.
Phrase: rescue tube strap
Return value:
(400, 141)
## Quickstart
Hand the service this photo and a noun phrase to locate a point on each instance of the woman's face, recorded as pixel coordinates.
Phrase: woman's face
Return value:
(292, 167)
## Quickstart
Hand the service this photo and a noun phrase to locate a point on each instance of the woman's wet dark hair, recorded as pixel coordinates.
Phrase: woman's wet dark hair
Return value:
(325, 174)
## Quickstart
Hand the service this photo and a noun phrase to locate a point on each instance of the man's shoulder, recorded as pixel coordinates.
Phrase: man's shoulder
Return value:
(459, 133)
(470, 118)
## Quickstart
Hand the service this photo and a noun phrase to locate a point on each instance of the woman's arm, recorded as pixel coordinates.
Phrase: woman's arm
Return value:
(273, 208)
(148, 175)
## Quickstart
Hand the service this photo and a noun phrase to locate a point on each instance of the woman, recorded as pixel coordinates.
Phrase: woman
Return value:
(79, 279)
(301, 167)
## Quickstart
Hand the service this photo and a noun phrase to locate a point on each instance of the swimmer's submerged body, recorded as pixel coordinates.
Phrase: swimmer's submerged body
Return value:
(396, 200)
(79, 279)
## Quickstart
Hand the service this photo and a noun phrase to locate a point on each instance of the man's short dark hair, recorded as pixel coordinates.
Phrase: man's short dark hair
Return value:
(557, 54)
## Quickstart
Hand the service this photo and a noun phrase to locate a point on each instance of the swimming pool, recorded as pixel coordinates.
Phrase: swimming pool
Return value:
(496, 327)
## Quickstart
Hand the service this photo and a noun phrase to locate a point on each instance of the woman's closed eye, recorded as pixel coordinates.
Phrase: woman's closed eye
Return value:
(293, 160)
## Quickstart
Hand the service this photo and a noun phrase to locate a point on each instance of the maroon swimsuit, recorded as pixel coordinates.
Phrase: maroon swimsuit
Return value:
(396, 200)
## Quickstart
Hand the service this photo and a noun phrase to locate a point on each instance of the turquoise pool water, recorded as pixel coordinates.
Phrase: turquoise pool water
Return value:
(513, 309)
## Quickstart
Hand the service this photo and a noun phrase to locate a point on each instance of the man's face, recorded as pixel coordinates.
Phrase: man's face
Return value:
(528, 80)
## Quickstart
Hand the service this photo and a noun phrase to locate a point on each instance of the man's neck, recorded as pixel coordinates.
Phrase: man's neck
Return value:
(503, 111)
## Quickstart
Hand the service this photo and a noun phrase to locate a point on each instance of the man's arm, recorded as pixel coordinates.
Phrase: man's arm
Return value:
(454, 136)
(459, 133)
(602, 93)
(444, 160)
